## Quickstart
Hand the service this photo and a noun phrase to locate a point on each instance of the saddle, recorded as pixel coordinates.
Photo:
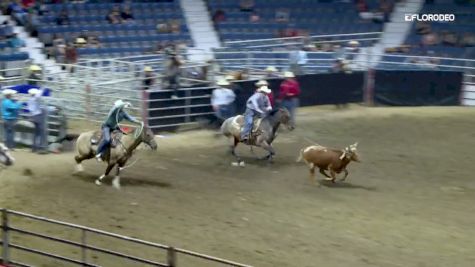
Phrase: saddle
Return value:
(115, 138)
(239, 120)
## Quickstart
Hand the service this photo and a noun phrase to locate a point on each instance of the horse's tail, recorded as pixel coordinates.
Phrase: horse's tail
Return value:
(299, 159)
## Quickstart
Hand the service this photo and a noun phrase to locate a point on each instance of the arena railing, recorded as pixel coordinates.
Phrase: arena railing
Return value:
(299, 40)
(7, 244)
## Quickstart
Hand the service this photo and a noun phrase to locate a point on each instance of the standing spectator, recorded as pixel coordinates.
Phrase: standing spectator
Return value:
(238, 103)
(289, 95)
(63, 18)
(126, 14)
(271, 72)
(172, 72)
(38, 117)
(35, 75)
(298, 59)
(113, 17)
(71, 55)
(149, 78)
(10, 109)
(222, 101)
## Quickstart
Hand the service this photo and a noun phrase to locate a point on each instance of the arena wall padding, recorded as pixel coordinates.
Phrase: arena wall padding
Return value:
(418, 88)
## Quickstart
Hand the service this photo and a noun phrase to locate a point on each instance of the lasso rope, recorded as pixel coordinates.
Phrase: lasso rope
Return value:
(136, 135)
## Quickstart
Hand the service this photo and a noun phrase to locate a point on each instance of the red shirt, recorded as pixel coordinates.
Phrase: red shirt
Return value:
(271, 99)
(288, 89)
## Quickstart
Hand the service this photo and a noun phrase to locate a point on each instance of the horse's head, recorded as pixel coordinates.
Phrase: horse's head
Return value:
(5, 157)
(283, 116)
(148, 138)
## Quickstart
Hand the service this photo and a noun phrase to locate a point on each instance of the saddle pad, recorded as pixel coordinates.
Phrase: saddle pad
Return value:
(239, 122)
(96, 138)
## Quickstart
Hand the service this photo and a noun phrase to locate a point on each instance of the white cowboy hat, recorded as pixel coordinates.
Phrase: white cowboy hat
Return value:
(33, 91)
(264, 89)
(289, 74)
(35, 67)
(271, 68)
(230, 78)
(353, 42)
(261, 83)
(1, 78)
(120, 103)
(9, 92)
(147, 68)
(222, 82)
(81, 41)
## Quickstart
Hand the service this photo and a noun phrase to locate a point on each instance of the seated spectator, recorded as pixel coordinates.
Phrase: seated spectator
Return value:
(282, 15)
(27, 3)
(163, 28)
(15, 42)
(113, 17)
(271, 72)
(423, 28)
(17, 11)
(449, 38)
(174, 26)
(361, 6)
(246, 5)
(430, 39)
(254, 17)
(219, 16)
(126, 14)
(63, 18)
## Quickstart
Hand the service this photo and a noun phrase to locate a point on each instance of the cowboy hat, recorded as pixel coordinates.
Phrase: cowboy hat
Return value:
(35, 67)
(222, 82)
(147, 68)
(261, 83)
(1, 78)
(34, 91)
(353, 42)
(120, 104)
(81, 40)
(230, 78)
(9, 92)
(264, 89)
(289, 74)
(271, 68)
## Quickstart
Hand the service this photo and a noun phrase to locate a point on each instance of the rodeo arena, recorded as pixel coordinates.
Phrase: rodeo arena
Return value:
(241, 133)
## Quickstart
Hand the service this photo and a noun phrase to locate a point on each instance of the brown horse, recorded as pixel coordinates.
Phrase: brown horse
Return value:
(264, 134)
(118, 155)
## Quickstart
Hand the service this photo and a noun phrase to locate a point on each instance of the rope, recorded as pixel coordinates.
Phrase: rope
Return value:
(130, 165)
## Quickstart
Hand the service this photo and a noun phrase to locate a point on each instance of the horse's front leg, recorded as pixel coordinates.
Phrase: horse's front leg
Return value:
(346, 174)
(268, 147)
(116, 181)
(109, 168)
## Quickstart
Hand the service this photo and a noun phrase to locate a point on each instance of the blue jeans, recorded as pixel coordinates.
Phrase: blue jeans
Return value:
(106, 139)
(291, 105)
(225, 111)
(9, 129)
(248, 120)
(39, 134)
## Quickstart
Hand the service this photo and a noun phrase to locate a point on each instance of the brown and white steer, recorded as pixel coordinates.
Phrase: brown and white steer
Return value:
(334, 160)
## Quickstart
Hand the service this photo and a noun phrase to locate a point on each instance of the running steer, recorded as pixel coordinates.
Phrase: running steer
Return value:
(334, 160)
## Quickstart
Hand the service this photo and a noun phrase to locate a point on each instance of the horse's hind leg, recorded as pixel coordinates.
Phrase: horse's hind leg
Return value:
(116, 181)
(99, 180)
(233, 152)
(79, 159)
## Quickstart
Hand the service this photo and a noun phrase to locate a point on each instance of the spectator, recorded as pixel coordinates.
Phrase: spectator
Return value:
(81, 42)
(127, 15)
(93, 42)
(35, 75)
(15, 42)
(174, 26)
(351, 49)
(163, 28)
(27, 3)
(17, 11)
(10, 109)
(289, 95)
(113, 17)
(149, 78)
(423, 28)
(219, 16)
(254, 17)
(172, 72)
(429, 39)
(71, 55)
(246, 5)
(38, 117)
(449, 38)
(32, 23)
(338, 66)
(271, 72)
(222, 101)
(63, 18)
(238, 103)
(298, 59)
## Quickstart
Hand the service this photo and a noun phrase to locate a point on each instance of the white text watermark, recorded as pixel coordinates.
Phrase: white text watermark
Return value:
(430, 17)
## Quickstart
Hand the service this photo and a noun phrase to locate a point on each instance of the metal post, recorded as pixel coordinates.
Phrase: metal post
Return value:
(145, 96)
(187, 105)
(5, 238)
(83, 248)
(171, 257)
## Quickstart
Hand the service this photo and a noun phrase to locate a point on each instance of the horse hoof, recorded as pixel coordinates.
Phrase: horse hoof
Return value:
(242, 164)
(98, 182)
(116, 185)
(235, 164)
(79, 168)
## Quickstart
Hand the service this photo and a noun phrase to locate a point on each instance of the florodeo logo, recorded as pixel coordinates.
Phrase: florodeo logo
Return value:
(430, 17)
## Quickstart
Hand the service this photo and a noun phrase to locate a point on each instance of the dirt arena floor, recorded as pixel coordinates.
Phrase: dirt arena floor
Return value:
(409, 203)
